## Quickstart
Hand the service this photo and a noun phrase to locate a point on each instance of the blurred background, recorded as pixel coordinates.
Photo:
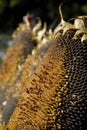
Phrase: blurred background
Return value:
(12, 12)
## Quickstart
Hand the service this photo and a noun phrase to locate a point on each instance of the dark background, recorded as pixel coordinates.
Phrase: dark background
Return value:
(12, 11)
